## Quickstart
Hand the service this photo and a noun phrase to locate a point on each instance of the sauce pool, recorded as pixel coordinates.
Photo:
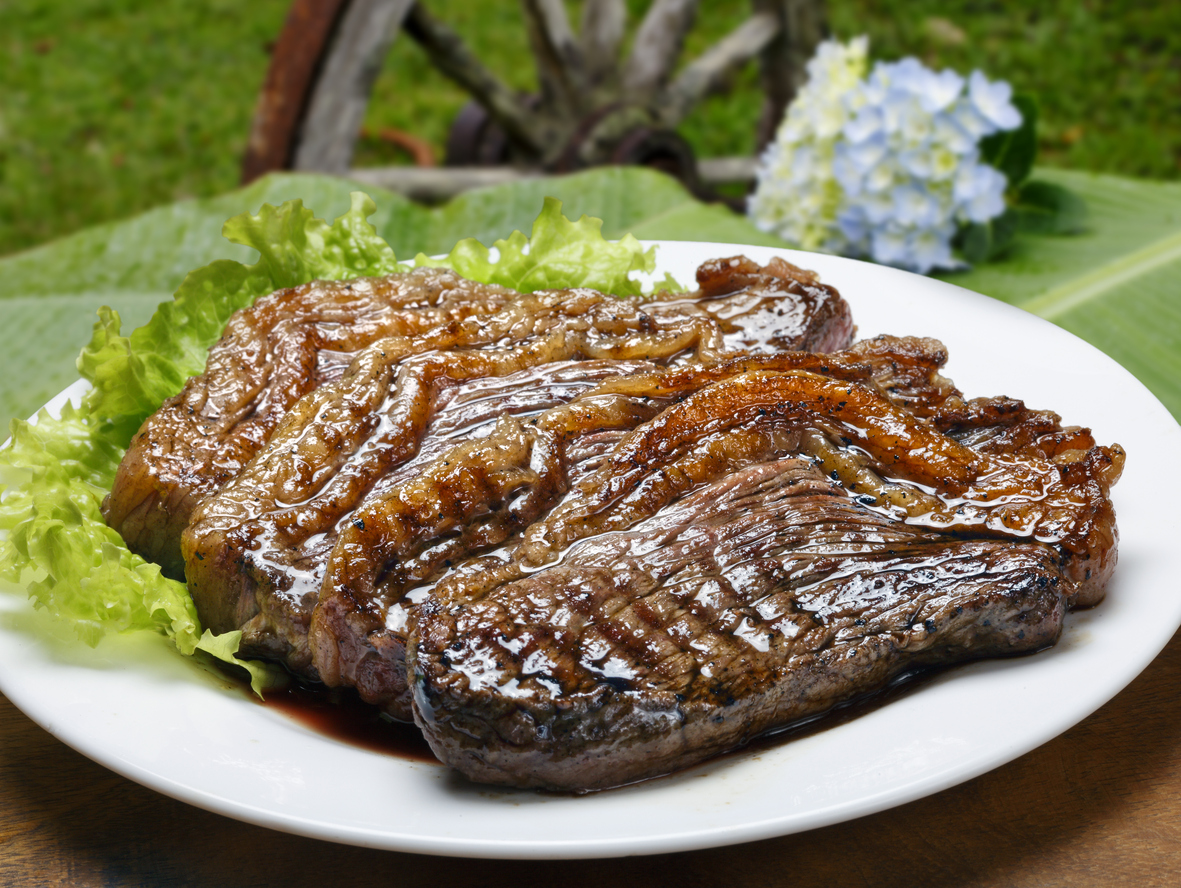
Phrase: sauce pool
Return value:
(345, 717)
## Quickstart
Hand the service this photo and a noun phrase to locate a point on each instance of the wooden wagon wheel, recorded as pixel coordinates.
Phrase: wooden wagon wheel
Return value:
(593, 107)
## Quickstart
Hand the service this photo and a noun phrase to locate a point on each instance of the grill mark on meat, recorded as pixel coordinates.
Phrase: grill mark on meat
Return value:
(349, 633)
(968, 490)
(377, 558)
(266, 359)
(296, 340)
(287, 543)
(637, 566)
(256, 550)
(753, 601)
(255, 562)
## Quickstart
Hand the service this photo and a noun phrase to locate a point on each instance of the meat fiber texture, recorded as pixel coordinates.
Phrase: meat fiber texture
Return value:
(781, 534)
(270, 355)
(768, 548)
(256, 551)
(296, 340)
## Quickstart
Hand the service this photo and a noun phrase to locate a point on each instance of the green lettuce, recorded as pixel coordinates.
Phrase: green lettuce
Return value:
(58, 469)
(560, 253)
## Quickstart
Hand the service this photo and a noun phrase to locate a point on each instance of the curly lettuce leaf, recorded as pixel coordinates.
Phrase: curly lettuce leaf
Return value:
(132, 375)
(558, 254)
(59, 469)
(81, 570)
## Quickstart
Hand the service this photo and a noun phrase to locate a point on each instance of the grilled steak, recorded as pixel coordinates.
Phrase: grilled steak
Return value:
(770, 546)
(259, 567)
(255, 552)
(296, 340)
(583, 540)
(470, 500)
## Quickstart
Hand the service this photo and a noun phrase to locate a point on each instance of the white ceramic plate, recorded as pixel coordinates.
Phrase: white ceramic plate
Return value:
(159, 720)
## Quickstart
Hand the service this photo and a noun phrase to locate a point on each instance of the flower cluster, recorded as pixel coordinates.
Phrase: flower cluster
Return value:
(884, 164)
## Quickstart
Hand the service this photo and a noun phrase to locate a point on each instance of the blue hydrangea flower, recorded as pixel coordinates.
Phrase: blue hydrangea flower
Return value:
(883, 163)
(799, 196)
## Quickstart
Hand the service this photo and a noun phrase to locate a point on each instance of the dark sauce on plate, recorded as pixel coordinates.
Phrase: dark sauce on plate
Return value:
(342, 715)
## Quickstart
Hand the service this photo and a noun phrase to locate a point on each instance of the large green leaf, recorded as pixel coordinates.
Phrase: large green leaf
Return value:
(1116, 285)
(1113, 285)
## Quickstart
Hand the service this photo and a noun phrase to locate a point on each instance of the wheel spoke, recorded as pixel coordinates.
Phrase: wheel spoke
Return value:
(657, 46)
(600, 35)
(451, 55)
(803, 25)
(595, 106)
(336, 108)
(298, 54)
(709, 71)
(559, 58)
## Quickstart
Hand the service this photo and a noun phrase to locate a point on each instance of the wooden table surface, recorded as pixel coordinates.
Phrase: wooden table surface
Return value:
(1100, 805)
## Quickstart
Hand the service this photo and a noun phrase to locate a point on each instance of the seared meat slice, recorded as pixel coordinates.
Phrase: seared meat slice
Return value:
(463, 504)
(294, 341)
(271, 354)
(758, 318)
(761, 599)
(769, 547)
(255, 551)
(263, 575)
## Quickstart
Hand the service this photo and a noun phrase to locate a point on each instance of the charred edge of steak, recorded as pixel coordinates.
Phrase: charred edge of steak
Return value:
(763, 599)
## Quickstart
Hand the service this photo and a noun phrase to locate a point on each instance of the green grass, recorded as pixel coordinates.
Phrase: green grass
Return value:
(108, 108)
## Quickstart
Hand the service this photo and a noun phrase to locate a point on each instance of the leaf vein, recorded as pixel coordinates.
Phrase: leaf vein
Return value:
(1058, 301)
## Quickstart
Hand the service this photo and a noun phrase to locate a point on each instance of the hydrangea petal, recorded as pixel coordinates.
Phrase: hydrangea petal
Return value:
(993, 101)
(882, 162)
(940, 90)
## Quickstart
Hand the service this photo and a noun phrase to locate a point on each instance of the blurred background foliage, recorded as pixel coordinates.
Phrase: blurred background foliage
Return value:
(108, 107)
